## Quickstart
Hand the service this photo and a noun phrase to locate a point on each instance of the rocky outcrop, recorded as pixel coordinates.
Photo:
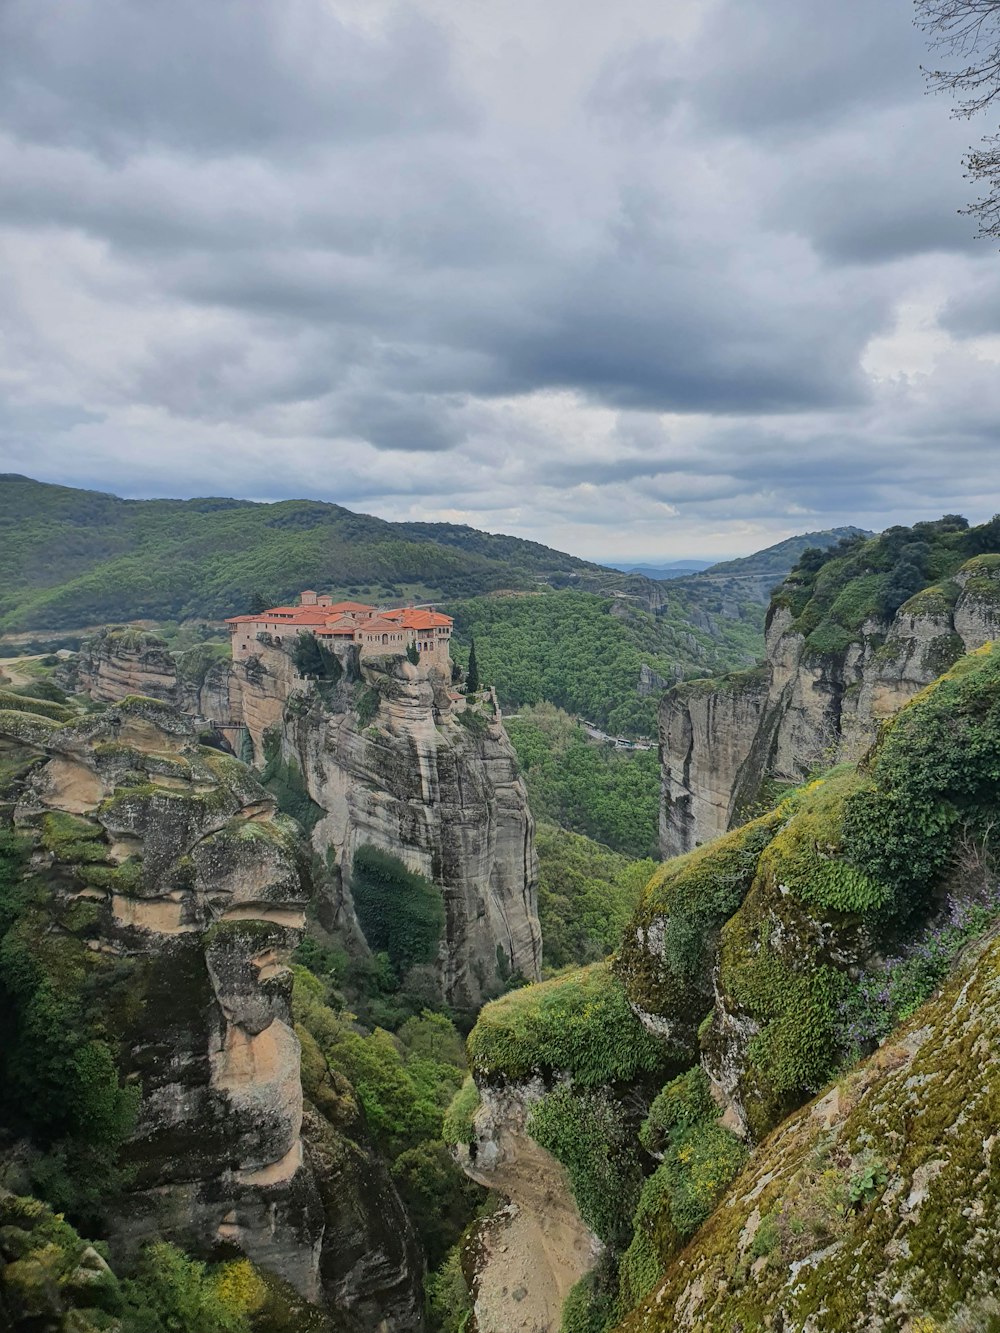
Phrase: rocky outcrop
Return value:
(721, 741)
(410, 775)
(533, 1250)
(186, 883)
(872, 1208)
(121, 660)
(434, 786)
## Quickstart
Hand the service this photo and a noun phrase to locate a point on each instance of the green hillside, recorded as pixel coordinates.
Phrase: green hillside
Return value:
(775, 561)
(70, 558)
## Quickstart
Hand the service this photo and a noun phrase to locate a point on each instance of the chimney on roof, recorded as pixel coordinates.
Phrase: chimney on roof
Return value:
(325, 600)
(308, 598)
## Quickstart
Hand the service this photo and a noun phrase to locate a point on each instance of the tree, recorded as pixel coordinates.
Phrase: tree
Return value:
(969, 32)
(412, 653)
(259, 603)
(472, 671)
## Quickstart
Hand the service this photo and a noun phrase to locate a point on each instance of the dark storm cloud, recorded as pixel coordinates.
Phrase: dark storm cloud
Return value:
(559, 267)
(219, 77)
(791, 67)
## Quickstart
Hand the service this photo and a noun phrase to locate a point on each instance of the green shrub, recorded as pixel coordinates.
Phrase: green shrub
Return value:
(457, 1126)
(449, 1301)
(473, 721)
(935, 772)
(699, 1160)
(367, 702)
(171, 1292)
(806, 857)
(59, 1083)
(590, 1305)
(404, 1086)
(687, 900)
(283, 779)
(580, 1024)
(588, 1133)
(398, 910)
(439, 1197)
(683, 1103)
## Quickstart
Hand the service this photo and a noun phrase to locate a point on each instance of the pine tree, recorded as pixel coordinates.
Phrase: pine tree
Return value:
(472, 672)
(412, 653)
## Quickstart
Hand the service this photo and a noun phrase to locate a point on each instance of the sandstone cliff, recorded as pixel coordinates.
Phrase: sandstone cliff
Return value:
(818, 699)
(417, 778)
(170, 877)
(437, 788)
(120, 660)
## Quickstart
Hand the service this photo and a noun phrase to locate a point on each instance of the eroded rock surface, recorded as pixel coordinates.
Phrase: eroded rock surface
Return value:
(198, 891)
(412, 779)
(537, 1246)
(721, 740)
(873, 1208)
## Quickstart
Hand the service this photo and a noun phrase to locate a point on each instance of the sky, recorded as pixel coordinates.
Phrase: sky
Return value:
(651, 280)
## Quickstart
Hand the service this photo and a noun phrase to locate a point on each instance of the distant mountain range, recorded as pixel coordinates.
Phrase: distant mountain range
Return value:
(71, 558)
(776, 561)
(677, 569)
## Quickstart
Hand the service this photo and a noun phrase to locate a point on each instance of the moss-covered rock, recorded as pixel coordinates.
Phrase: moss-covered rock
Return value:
(579, 1025)
(668, 952)
(875, 1207)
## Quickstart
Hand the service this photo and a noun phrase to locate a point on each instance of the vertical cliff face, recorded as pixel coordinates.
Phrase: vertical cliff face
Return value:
(121, 660)
(170, 875)
(417, 779)
(810, 705)
(436, 789)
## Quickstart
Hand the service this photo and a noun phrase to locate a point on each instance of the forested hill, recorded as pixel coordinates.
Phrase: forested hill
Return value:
(71, 557)
(756, 576)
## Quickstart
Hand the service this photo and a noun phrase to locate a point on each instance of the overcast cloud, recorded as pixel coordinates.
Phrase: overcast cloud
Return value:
(659, 278)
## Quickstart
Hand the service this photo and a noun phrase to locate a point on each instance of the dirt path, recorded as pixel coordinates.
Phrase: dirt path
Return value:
(527, 1264)
(13, 669)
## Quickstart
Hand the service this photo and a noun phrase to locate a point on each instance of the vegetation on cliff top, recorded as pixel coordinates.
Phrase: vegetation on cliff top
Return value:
(578, 1024)
(832, 593)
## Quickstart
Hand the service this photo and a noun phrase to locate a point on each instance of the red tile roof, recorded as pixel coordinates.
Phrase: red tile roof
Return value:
(411, 618)
(341, 614)
(380, 626)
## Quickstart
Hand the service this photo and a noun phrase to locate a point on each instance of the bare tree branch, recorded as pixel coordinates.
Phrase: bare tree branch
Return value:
(969, 31)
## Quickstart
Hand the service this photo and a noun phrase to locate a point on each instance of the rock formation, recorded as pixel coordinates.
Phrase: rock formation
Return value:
(809, 705)
(120, 660)
(873, 1207)
(168, 869)
(537, 1247)
(434, 786)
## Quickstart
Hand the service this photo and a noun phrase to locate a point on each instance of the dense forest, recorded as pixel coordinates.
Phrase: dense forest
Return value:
(609, 795)
(585, 653)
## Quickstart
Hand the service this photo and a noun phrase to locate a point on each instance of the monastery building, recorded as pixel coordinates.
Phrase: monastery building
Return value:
(339, 624)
